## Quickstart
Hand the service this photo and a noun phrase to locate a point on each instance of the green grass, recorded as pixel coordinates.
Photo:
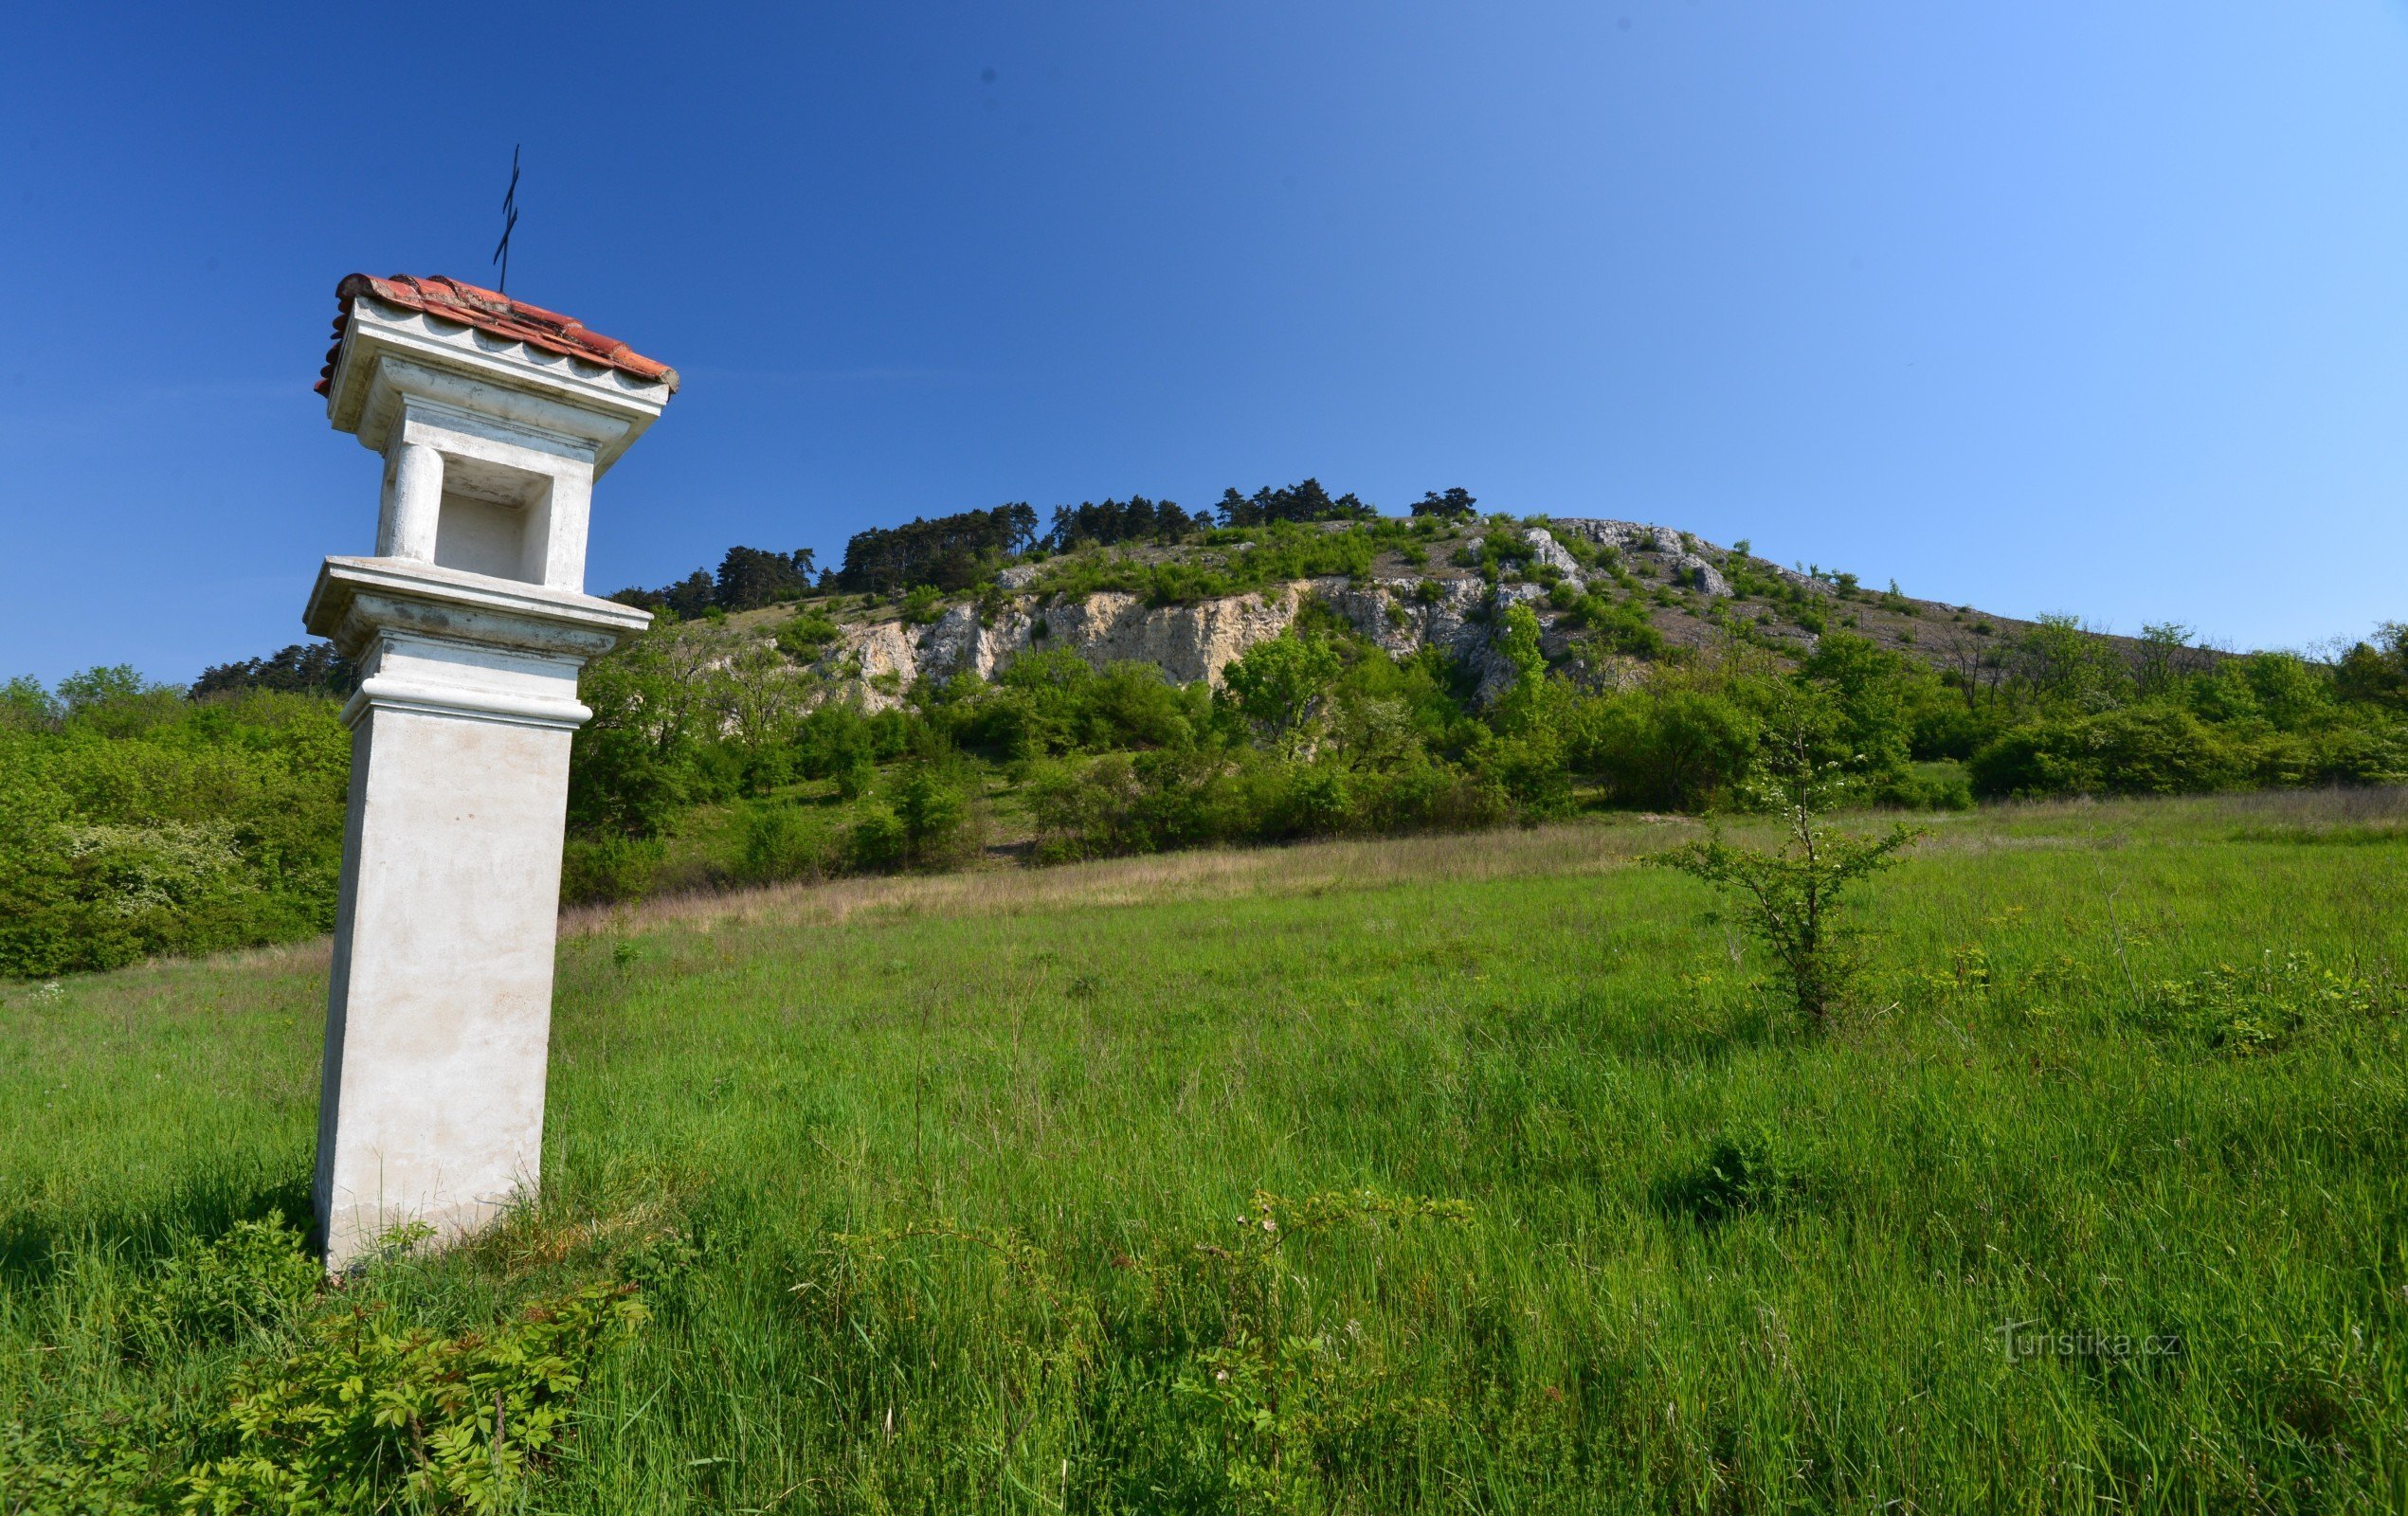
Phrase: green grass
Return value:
(952, 1172)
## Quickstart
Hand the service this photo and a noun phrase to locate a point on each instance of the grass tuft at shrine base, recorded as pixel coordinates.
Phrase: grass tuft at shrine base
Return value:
(1467, 1173)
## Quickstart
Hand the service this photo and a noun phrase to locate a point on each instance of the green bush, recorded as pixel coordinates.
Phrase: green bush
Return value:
(1933, 786)
(2152, 750)
(1752, 1170)
(1087, 809)
(608, 870)
(367, 1413)
(139, 823)
(807, 636)
(256, 1277)
(778, 841)
(1056, 702)
(878, 841)
(936, 817)
(1668, 746)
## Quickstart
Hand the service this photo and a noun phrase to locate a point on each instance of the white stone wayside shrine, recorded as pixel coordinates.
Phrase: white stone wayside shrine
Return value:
(468, 628)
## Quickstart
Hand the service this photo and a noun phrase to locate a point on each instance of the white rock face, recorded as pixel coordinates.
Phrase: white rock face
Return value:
(1548, 552)
(1660, 543)
(1197, 641)
(1188, 642)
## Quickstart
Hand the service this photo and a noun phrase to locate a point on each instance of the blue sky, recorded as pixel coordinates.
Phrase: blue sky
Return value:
(2050, 306)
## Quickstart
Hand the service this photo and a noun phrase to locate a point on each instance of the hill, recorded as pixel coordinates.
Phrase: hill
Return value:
(1141, 679)
(1610, 598)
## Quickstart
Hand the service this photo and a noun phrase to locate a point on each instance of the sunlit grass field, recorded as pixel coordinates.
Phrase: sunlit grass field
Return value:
(1440, 1174)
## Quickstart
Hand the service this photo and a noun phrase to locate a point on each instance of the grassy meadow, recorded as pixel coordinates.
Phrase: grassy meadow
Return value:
(1458, 1173)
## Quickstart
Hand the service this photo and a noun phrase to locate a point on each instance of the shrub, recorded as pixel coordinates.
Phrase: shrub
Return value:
(1667, 746)
(1750, 1170)
(608, 870)
(1933, 786)
(878, 841)
(1084, 810)
(140, 823)
(257, 1277)
(366, 1413)
(2148, 749)
(803, 638)
(2263, 1008)
(1790, 899)
(778, 842)
(934, 816)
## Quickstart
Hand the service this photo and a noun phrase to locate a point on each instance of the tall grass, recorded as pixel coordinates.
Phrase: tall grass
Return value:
(2098, 1198)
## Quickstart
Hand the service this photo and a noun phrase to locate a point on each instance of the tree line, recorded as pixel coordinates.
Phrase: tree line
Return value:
(952, 552)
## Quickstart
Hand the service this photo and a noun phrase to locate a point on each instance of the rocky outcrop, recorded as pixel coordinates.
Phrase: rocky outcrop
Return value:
(1457, 615)
(1548, 553)
(1188, 642)
(1674, 550)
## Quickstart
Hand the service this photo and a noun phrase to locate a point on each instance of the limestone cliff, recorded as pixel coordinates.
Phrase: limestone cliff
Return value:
(1449, 605)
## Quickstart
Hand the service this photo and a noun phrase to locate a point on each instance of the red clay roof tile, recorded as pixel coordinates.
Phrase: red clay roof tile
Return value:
(448, 299)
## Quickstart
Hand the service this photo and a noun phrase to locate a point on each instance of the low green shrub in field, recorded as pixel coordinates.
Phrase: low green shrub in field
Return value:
(935, 812)
(1754, 1169)
(2140, 750)
(780, 842)
(1927, 786)
(607, 870)
(342, 1402)
(367, 1410)
(1791, 899)
(2265, 1007)
(877, 840)
(257, 1277)
(1670, 746)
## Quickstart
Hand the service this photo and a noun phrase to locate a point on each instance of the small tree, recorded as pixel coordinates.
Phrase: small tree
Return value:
(1458, 504)
(1281, 687)
(1790, 898)
(933, 813)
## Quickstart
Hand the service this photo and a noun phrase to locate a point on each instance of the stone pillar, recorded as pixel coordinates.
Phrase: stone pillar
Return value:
(468, 628)
(413, 503)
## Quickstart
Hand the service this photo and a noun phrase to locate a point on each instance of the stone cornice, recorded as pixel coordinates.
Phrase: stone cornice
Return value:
(382, 694)
(357, 598)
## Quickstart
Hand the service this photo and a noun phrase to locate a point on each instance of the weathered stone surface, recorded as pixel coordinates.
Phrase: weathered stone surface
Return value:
(1684, 564)
(1550, 554)
(878, 663)
(1196, 642)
